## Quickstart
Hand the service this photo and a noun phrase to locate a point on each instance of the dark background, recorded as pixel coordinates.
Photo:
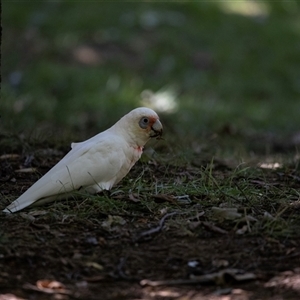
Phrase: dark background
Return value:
(204, 66)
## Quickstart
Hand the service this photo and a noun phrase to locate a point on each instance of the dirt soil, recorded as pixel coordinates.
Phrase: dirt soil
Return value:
(55, 255)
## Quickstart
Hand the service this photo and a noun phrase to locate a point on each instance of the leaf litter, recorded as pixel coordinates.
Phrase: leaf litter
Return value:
(197, 234)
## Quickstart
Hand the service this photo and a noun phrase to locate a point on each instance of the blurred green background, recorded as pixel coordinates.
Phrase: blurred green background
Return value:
(204, 66)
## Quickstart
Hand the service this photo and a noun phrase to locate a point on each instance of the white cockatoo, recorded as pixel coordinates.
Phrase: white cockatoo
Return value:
(97, 163)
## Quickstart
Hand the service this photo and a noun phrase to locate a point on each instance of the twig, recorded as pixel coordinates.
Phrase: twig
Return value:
(221, 277)
(146, 282)
(157, 228)
(214, 228)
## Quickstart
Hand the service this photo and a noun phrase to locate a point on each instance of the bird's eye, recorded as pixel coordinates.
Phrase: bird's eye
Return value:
(144, 122)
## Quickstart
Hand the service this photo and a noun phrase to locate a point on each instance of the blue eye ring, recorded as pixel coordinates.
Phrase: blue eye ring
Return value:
(144, 122)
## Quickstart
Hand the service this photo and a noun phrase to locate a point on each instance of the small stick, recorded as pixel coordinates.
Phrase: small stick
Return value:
(157, 228)
(146, 282)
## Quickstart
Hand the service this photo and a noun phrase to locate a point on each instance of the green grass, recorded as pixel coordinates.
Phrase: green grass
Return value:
(262, 200)
(226, 68)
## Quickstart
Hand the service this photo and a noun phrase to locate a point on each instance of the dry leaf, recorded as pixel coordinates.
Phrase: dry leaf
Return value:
(134, 197)
(27, 216)
(220, 263)
(242, 230)
(268, 216)
(50, 284)
(94, 265)
(38, 213)
(225, 213)
(48, 287)
(163, 211)
(113, 222)
(194, 225)
(9, 156)
(214, 228)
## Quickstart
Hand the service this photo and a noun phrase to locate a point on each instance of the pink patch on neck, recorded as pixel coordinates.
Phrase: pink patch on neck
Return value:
(139, 149)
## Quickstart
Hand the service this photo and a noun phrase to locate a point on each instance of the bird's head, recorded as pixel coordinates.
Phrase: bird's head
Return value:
(140, 125)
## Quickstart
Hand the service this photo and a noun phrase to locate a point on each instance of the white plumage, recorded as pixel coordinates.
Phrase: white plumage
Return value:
(97, 163)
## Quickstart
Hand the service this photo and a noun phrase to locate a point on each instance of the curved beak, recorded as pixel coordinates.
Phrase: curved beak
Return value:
(156, 129)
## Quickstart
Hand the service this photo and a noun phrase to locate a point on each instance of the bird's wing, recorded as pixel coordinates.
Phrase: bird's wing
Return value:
(87, 164)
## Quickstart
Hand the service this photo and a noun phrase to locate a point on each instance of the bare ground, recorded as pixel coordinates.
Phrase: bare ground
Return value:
(144, 253)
